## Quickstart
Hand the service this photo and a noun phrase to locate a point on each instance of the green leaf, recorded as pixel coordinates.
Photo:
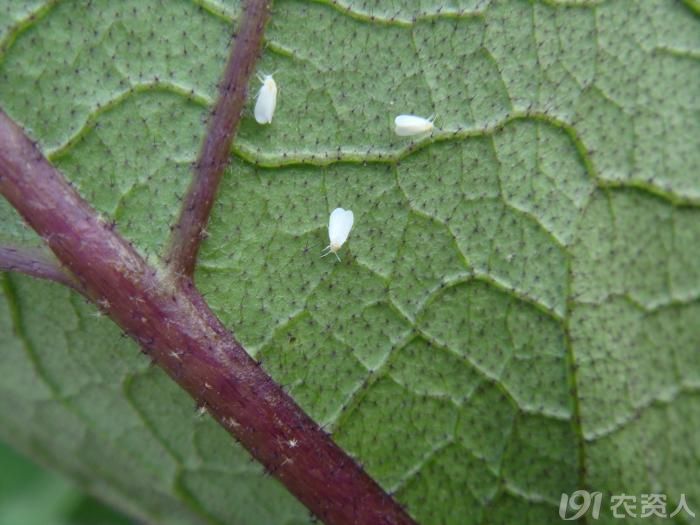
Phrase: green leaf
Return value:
(517, 310)
(30, 495)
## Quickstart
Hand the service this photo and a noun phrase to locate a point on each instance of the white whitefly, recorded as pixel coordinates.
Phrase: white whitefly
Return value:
(267, 100)
(407, 125)
(339, 226)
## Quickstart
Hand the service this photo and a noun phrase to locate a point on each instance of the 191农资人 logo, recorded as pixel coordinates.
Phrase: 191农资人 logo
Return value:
(576, 505)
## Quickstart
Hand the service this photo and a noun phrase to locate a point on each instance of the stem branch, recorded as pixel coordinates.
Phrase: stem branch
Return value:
(188, 232)
(34, 263)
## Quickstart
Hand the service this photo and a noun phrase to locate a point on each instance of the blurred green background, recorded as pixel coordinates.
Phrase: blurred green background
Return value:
(32, 495)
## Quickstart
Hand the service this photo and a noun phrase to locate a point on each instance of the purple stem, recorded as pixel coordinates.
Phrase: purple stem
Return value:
(34, 263)
(189, 231)
(169, 318)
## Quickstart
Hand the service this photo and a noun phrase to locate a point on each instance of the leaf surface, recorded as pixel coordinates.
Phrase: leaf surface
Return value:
(516, 312)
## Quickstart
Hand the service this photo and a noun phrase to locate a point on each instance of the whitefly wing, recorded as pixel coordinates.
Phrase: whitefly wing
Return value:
(339, 226)
(411, 125)
(266, 102)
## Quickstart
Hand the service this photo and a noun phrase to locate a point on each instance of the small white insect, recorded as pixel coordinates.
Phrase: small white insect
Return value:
(267, 100)
(406, 125)
(339, 226)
